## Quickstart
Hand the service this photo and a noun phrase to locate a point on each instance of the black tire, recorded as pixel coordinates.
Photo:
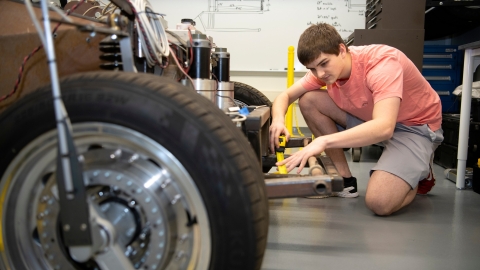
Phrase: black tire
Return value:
(249, 96)
(199, 135)
(246, 95)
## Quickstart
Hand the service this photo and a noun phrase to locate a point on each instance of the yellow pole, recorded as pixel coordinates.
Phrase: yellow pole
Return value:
(290, 69)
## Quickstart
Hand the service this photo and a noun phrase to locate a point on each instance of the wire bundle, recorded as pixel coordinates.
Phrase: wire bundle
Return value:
(152, 35)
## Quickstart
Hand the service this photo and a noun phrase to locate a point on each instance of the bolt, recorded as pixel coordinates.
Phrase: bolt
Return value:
(117, 153)
(130, 232)
(132, 203)
(183, 238)
(176, 198)
(116, 189)
(45, 199)
(128, 252)
(133, 158)
(66, 227)
(83, 227)
(166, 183)
(179, 255)
(40, 216)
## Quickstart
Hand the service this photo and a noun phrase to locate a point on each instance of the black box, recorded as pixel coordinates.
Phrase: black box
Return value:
(476, 179)
(446, 156)
(446, 153)
(451, 126)
(475, 109)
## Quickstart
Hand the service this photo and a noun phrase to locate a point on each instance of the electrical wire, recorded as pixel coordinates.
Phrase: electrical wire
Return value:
(91, 8)
(191, 51)
(238, 117)
(26, 58)
(231, 99)
(175, 35)
(181, 68)
(153, 39)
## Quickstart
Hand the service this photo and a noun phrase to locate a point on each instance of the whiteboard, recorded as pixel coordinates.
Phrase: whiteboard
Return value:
(257, 33)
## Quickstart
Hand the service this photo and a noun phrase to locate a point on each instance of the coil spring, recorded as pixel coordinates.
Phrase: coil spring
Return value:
(111, 54)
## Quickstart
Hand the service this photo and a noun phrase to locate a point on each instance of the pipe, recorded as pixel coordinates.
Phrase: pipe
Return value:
(290, 75)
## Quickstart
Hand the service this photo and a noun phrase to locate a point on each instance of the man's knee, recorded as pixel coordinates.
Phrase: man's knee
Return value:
(378, 205)
(306, 102)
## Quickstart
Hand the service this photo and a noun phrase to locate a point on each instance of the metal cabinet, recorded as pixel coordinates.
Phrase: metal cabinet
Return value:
(442, 67)
(395, 23)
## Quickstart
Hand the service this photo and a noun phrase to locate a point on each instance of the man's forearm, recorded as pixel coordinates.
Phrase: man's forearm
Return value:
(280, 107)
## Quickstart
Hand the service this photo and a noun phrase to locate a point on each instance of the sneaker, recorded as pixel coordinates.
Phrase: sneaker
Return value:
(348, 192)
(425, 185)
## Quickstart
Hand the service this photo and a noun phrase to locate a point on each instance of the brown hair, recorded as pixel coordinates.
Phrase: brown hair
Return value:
(318, 38)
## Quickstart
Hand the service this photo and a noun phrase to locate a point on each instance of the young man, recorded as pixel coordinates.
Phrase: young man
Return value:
(375, 95)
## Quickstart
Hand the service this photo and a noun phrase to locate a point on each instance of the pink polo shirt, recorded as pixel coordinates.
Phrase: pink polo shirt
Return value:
(379, 72)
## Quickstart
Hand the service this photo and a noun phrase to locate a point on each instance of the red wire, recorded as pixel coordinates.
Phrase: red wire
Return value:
(191, 51)
(26, 58)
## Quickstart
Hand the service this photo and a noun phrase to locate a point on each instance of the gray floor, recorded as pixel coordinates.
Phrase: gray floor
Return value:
(438, 231)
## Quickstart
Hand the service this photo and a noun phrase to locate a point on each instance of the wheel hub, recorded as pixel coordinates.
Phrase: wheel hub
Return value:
(137, 197)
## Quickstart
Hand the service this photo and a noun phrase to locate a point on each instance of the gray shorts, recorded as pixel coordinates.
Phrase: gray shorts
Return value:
(409, 153)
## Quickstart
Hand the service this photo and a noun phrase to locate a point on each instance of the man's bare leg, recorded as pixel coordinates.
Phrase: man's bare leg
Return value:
(387, 193)
(321, 115)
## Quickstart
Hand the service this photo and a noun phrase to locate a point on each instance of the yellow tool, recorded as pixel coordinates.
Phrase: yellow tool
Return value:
(280, 154)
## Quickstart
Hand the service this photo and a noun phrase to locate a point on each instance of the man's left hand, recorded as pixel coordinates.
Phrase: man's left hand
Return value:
(301, 157)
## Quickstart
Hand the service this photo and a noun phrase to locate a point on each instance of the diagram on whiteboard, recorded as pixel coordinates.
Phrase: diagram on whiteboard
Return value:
(329, 12)
(228, 8)
(356, 6)
(258, 33)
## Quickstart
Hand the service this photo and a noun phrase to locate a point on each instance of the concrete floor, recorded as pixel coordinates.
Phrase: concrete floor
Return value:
(438, 231)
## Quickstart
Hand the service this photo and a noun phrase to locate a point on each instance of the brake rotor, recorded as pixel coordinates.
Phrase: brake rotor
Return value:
(141, 201)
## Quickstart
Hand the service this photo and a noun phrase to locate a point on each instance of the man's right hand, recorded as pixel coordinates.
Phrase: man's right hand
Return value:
(277, 128)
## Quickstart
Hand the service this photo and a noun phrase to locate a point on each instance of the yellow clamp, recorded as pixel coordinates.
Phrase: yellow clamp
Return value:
(280, 154)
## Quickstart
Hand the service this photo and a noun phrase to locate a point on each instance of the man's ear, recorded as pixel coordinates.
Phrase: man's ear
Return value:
(342, 50)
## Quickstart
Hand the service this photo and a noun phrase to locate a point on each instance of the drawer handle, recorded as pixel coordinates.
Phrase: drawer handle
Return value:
(438, 78)
(372, 26)
(437, 66)
(371, 12)
(350, 41)
(373, 19)
(443, 93)
(437, 56)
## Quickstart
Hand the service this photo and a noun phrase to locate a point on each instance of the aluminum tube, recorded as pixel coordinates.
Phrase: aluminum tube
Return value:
(225, 95)
(298, 186)
(206, 88)
(465, 117)
(314, 167)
